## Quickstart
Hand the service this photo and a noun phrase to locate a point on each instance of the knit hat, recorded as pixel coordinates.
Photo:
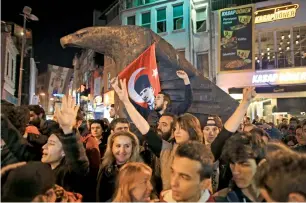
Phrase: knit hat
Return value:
(27, 181)
(213, 120)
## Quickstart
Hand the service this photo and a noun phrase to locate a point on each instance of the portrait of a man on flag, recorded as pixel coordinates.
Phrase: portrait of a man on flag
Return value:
(142, 79)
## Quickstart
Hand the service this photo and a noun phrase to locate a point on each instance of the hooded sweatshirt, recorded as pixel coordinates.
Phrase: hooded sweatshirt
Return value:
(166, 196)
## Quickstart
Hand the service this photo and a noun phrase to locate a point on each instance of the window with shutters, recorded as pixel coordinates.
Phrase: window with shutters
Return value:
(203, 63)
(131, 20)
(161, 21)
(178, 17)
(201, 17)
(7, 63)
(146, 20)
(12, 70)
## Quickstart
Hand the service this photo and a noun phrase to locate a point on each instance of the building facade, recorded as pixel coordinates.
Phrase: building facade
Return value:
(9, 54)
(51, 86)
(182, 23)
(29, 66)
(279, 74)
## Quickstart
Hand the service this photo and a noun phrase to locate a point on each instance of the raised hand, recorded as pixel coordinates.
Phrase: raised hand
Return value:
(66, 116)
(248, 94)
(122, 93)
(183, 75)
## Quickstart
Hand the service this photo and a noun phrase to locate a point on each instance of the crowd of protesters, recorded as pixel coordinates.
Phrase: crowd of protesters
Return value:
(164, 155)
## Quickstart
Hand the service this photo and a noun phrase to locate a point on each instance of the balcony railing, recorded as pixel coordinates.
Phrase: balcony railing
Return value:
(282, 59)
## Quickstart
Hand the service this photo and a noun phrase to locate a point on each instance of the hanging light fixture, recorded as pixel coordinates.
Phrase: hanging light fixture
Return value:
(298, 36)
(289, 36)
(287, 48)
(268, 49)
(296, 42)
(283, 37)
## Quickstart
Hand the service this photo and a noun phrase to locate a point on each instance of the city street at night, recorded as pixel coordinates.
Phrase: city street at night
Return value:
(153, 101)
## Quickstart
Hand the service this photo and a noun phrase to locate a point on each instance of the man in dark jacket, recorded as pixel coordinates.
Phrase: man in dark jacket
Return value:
(244, 152)
(162, 103)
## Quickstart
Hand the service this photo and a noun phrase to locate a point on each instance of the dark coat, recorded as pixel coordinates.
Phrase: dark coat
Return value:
(106, 183)
(153, 116)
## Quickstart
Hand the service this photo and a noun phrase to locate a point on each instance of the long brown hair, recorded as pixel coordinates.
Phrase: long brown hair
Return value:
(109, 158)
(127, 177)
(192, 125)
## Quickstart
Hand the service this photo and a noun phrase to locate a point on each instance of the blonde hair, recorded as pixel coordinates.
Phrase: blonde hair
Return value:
(109, 158)
(127, 177)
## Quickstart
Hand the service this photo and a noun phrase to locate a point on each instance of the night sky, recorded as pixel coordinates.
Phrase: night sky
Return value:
(56, 19)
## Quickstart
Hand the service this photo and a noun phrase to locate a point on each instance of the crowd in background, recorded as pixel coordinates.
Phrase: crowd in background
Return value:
(163, 155)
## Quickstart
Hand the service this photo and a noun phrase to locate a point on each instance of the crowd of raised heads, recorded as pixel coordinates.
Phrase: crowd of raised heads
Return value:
(163, 154)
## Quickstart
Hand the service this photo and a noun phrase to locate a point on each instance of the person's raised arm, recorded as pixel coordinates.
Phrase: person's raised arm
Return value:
(234, 121)
(232, 124)
(184, 106)
(154, 141)
(72, 145)
(141, 123)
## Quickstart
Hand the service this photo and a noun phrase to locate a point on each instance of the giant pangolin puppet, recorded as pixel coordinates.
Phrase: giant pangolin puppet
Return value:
(125, 43)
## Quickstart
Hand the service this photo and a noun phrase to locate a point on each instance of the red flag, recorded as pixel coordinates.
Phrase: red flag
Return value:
(142, 78)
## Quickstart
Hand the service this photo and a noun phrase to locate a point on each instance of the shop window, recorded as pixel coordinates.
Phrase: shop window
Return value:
(257, 52)
(266, 54)
(178, 17)
(131, 20)
(203, 64)
(284, 57)
(201, 17)
(299, 44)
(161, 21)
(146, 20)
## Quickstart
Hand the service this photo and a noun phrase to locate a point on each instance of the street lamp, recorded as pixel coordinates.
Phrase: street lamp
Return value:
(26, 16)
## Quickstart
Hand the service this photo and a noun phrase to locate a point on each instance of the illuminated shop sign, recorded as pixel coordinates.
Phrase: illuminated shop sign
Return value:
(283, 77)
(276, 13)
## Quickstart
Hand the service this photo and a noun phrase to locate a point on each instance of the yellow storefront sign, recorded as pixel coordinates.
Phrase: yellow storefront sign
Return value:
(276, 13)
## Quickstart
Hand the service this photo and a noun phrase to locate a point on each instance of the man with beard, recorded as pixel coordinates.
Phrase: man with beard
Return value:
(164, 129)
(166, 125)
(162, 102)
(36, 115)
